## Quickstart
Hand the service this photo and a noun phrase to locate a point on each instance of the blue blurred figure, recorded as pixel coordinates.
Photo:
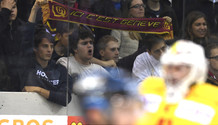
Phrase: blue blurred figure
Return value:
(107, 100)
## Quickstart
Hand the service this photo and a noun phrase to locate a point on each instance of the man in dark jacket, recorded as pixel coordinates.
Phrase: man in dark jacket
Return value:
(159, 9)
(44, 76)
(10, 39)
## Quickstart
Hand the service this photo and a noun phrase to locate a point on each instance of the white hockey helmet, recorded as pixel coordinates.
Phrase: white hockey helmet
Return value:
(188, 53)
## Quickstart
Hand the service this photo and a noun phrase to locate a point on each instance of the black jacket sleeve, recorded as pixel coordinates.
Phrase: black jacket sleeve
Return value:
(4, 18)
(62, 95)
(128, 61)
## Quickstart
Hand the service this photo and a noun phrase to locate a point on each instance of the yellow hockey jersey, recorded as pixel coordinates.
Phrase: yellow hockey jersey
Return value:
(199, 107)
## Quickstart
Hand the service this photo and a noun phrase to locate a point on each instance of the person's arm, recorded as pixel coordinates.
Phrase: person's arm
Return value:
(63, 61)
(43, 92)
(28, 31)
(109, 63)
(34, 10)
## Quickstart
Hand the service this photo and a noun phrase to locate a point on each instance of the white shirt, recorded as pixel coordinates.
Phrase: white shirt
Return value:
(144, 66)
(75, 67)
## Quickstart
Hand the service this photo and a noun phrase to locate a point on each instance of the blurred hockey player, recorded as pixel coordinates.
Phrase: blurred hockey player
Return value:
(109, 101)
(181, 97)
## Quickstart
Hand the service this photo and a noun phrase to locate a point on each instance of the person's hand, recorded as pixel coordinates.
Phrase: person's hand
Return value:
(110, 63)
(31, 89)
(9, 4)
(39, 3)
(168, 19)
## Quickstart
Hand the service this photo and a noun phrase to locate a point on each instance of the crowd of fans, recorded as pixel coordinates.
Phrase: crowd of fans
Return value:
(121, 77)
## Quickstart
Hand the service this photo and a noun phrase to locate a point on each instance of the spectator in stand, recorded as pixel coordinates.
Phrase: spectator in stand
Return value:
(129, 41)
(148, 63)
(208, 7)
(158, 9)
(128, 61)
(61, 47)
(108, 47)
(212, 56)
(81, 43)
(10, 36)
(196, 28)
(43, 76)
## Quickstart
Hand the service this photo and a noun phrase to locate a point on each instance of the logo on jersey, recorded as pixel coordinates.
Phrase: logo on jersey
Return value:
(41, 73)
(195, 112)
(45, 77)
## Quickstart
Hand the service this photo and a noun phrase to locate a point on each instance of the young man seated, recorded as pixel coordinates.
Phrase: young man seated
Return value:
(81, 44)
(108, 48)
(44, 76)
(148, 63)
